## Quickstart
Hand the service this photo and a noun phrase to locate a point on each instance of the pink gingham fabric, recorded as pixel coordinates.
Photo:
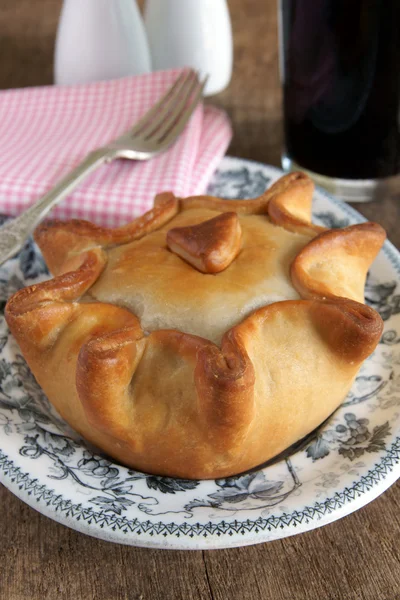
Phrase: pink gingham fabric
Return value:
(45, 132)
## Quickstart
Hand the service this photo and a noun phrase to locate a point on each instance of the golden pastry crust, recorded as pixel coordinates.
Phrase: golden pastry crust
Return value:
(195, 399)
(58, 239)
(211, 246)
(336, 262)
(166, 292)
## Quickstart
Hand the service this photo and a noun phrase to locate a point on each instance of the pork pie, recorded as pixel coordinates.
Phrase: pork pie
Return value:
(206, 336)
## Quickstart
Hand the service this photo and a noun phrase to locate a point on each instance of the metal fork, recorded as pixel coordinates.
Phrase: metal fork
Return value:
(152, 134)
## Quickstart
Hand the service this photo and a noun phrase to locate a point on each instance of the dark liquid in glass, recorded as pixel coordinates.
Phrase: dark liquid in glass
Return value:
(342, 86)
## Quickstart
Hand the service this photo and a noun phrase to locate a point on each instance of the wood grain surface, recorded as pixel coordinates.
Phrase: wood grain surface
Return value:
(356, 558)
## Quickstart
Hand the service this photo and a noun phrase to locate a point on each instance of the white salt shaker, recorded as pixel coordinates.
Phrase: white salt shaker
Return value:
(193, 33)
(100, 40)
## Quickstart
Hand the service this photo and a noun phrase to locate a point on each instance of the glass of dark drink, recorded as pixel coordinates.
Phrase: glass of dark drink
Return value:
(340, 65)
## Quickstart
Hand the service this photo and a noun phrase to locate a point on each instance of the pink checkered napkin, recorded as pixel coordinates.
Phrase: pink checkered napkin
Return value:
(46, 131)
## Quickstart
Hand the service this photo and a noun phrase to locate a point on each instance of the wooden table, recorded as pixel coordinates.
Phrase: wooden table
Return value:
(355, 558)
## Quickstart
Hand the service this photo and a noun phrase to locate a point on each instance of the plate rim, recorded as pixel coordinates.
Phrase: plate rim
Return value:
(361, 492)
(381, 477)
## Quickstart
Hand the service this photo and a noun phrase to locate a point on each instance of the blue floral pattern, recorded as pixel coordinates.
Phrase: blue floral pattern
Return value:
(335, 470)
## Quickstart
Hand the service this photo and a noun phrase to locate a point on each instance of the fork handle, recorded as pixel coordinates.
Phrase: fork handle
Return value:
(14, 233)
(35, 213)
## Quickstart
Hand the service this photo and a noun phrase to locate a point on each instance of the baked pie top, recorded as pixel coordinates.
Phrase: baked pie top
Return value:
(205, 337)
(167, 292)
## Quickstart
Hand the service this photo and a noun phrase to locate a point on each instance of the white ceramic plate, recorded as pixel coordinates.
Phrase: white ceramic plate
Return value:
(352, 459)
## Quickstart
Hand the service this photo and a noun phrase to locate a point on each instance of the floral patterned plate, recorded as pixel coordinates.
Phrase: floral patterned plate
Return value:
(349, 461)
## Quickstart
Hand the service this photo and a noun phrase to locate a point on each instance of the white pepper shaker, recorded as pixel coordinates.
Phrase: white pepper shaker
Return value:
(193, 33)
(100, 40)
